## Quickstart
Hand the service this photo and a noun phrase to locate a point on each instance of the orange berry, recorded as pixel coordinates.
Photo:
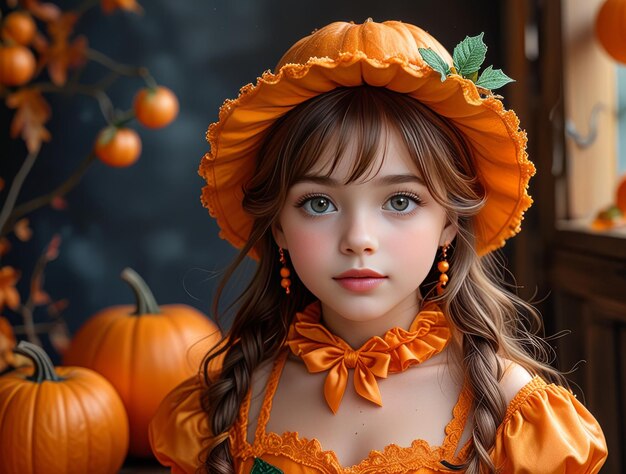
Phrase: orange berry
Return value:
(17, 65)
(155, 108)
(19, 27)
(118, 147)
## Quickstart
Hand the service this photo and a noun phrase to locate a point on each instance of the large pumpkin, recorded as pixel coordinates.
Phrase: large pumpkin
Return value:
(611, 28)
(144, 351)
(65, 420)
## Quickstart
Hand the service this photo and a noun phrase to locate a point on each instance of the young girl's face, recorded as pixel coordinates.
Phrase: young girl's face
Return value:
(363, 248)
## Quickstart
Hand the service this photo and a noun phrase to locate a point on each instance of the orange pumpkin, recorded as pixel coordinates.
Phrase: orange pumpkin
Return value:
(144, 351)
(611, 28)
(67, 420)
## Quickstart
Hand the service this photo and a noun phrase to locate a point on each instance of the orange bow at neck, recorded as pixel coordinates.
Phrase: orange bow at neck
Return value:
(395, 352)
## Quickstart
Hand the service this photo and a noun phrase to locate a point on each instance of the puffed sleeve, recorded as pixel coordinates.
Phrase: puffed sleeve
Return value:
(179, 431)
(547, 430)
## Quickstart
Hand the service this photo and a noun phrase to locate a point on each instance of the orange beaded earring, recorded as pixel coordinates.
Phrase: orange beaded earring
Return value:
(285, 282)
(443, 266)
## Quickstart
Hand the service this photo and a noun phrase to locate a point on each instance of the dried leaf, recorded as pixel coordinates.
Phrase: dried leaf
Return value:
(7, 343)
(52, 251)
(61, 54)
(37, 295)
(33, 111)
(22, 230)
(57, 307)
(8, 294)
(44, 11)
(6, 330)
(5, 246)
(59, 337)
(109, 6)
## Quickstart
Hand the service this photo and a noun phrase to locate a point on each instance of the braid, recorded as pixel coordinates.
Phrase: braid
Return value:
(225, 397)
(489, 407)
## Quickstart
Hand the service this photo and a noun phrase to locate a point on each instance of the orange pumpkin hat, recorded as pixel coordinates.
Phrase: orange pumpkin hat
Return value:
(383, 55)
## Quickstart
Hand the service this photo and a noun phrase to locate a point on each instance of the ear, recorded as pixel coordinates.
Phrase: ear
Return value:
(279, 235)
(448, 233)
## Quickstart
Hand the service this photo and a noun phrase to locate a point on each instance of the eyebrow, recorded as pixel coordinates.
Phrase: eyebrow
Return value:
(383, 180)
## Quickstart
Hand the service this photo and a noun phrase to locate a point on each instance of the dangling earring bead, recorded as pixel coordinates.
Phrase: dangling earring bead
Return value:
(443, 266)
(285, 282)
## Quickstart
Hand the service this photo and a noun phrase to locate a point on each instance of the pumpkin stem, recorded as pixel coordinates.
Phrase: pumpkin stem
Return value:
(44, 369)
(146, 304)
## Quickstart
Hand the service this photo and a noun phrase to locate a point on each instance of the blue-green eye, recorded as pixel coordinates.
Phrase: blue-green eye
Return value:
(318, 205)
(401, 203)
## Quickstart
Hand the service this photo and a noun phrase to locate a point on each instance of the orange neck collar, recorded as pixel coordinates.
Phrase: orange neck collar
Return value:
(395, 351)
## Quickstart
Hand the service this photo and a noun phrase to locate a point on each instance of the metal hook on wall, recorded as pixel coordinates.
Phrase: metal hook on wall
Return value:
(585, 142)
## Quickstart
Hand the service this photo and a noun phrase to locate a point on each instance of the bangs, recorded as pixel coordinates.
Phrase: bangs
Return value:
(353, 126)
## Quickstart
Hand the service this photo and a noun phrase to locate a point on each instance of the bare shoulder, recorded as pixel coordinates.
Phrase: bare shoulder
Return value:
(514, 379)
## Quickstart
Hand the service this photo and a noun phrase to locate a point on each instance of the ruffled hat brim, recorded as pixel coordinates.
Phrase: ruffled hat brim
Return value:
(498, 145)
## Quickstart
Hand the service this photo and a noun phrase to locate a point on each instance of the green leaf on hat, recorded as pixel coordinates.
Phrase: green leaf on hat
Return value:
(435, 61)
(469, 55)
(493, 78)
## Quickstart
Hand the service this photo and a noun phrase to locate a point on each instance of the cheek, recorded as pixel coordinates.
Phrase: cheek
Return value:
(413, 245)
(306, 247)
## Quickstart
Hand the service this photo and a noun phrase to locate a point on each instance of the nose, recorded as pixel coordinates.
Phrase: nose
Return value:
(359, 235)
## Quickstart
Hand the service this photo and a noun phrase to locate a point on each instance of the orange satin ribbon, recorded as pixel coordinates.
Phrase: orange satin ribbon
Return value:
(395, 352)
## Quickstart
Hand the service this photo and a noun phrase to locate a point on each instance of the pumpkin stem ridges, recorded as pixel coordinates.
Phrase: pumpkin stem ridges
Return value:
(146, 304)
(44, 369)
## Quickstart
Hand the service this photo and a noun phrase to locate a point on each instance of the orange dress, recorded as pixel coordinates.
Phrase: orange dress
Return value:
(545, 430)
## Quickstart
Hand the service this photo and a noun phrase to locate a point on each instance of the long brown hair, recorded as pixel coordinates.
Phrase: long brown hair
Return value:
(489, 319)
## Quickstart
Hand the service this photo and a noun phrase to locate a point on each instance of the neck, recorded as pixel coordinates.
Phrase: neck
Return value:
(357, 331)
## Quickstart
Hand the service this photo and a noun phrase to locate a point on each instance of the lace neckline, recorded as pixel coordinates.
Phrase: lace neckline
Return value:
(394, 352)
(390, 459)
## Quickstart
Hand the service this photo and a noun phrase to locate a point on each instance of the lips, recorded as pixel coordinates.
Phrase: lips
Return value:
(360, 280)
(359, 273)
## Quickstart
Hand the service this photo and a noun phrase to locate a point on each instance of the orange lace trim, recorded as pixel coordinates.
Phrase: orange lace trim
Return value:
(309, 452)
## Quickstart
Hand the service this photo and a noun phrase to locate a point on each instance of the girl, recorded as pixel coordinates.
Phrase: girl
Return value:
(374, 337)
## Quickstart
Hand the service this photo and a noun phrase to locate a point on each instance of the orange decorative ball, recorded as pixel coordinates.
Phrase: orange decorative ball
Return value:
(611, 28)
(144, 351)
(63, 419)
(19, 27)
(118, 147)
(155, 107)
(17, 65)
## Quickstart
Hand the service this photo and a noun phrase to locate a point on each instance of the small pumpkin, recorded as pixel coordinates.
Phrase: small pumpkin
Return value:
(68, 420)
(144, 351)
(611, 28)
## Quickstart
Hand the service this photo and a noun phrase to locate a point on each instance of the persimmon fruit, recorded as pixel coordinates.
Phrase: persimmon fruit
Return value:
(118, 147)
(17, 65)
(19, 27)
(155, 107)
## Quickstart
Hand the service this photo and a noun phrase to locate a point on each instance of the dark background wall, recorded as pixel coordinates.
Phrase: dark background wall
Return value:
(149, 216)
